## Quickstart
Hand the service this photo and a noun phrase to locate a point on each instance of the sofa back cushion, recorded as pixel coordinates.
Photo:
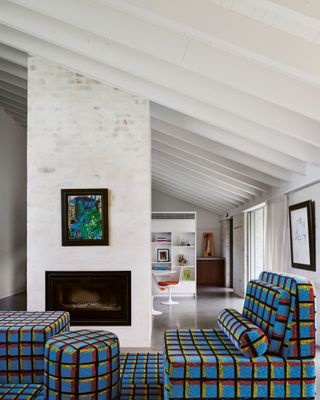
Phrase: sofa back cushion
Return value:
(301, 333)
(247, 337)
(268, 307)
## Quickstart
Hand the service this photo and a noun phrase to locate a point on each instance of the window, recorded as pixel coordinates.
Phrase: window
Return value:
(255, 241)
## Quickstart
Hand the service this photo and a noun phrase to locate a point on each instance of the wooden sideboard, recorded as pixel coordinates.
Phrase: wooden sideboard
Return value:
(210, 271)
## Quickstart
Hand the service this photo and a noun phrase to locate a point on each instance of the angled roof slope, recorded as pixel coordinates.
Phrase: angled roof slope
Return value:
(234, 92)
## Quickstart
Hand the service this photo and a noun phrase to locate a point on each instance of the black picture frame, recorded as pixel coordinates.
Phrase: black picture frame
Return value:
(306, 237)
(160, 257)
(67, 240)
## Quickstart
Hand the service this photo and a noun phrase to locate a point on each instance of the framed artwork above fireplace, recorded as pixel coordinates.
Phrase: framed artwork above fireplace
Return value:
(84, 217)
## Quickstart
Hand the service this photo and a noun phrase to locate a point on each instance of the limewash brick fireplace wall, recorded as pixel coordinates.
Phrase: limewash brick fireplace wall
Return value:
(86, 134)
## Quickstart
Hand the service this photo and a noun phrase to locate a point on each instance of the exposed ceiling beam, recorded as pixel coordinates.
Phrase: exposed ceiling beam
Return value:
(193, 201)
(13, 55)
(261, 81)
(13, 89)
(262, 168)
(215, 158)
(221, 136)
(258, 122)
(167, 169)
(218, 25)
(190, 171)
(186, 196)
(13, 80)
(101, 72)
(164, 38)
(235, 186)
(12, 103)
(193, 157)
(13, 110)
(13, 69)
(189, 193)
(201, 190)
(13, 97)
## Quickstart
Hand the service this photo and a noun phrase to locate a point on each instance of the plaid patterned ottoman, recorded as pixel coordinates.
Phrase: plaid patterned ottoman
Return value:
(22, 338)
(20, 391)
(141, 376)
(205, 364)
(82, 365)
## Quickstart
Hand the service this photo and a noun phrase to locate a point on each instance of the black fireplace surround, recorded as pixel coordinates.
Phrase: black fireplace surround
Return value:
(91, 297)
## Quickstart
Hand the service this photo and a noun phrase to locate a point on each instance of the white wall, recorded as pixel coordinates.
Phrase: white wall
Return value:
(84, 134)
(310, 193)
(206, 221)
(239, 280)
(13, 182)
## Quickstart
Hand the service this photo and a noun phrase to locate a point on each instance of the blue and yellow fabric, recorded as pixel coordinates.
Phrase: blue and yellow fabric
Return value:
(22, 339)
(206, 363)
(268, 306)
(141, 376)
(21, 391)
(301, 342)
(247, 337)
(82, 365)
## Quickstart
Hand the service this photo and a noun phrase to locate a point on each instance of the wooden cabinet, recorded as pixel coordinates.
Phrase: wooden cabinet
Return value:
(211, 271)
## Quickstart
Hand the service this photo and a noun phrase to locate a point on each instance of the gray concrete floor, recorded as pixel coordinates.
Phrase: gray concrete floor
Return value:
(200, 312)
(17, 302)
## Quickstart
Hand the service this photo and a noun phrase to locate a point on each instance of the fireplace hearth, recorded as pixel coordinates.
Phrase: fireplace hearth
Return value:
(92, 297)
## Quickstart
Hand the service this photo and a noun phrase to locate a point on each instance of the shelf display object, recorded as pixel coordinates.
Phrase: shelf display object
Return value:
(174, 248)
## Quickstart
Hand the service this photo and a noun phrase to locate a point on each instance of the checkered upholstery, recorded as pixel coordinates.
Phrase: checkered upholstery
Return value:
(21, 391)
(82, 365)
(247, 337)
(268, 306)
(205, 364)
(22, 338)
(141, 376)
(302, 330)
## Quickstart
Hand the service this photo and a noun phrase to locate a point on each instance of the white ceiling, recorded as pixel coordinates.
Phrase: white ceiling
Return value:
(13, 82)
(234, 85)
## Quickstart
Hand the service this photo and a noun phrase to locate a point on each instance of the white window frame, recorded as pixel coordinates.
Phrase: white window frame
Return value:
(250, 237)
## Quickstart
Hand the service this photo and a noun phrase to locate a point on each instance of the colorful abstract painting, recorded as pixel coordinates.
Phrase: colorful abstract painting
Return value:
(84, 216)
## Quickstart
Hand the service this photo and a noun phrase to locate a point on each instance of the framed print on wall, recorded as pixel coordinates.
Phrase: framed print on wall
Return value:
(163, 255)
(84, 217)
(302, 235)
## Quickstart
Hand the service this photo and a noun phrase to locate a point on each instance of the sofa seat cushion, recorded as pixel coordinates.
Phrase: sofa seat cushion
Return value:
(247, 337)
(21, 391)
(268, 306)
(141, 376)
(205, 364)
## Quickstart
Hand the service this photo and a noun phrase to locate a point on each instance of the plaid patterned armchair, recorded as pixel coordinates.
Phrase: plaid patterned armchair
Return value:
(211, 364)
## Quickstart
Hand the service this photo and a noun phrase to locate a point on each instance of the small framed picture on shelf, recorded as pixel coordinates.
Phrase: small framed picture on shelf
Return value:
(162, 255)
(187, 274)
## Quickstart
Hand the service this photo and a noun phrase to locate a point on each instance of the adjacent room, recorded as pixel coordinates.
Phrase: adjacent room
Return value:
(160, 197)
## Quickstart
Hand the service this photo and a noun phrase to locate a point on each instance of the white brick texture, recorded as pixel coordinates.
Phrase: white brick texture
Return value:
(85, 134)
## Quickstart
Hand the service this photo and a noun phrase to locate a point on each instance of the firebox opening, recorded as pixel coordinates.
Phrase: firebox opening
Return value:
(91, 298)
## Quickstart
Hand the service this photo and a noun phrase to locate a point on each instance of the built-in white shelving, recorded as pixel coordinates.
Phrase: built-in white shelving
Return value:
(175, 233)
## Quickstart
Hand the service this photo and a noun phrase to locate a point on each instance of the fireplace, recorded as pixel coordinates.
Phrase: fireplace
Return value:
(91, 298)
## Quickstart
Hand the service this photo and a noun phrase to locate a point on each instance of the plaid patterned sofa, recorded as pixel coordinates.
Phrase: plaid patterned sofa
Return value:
(207, 364)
